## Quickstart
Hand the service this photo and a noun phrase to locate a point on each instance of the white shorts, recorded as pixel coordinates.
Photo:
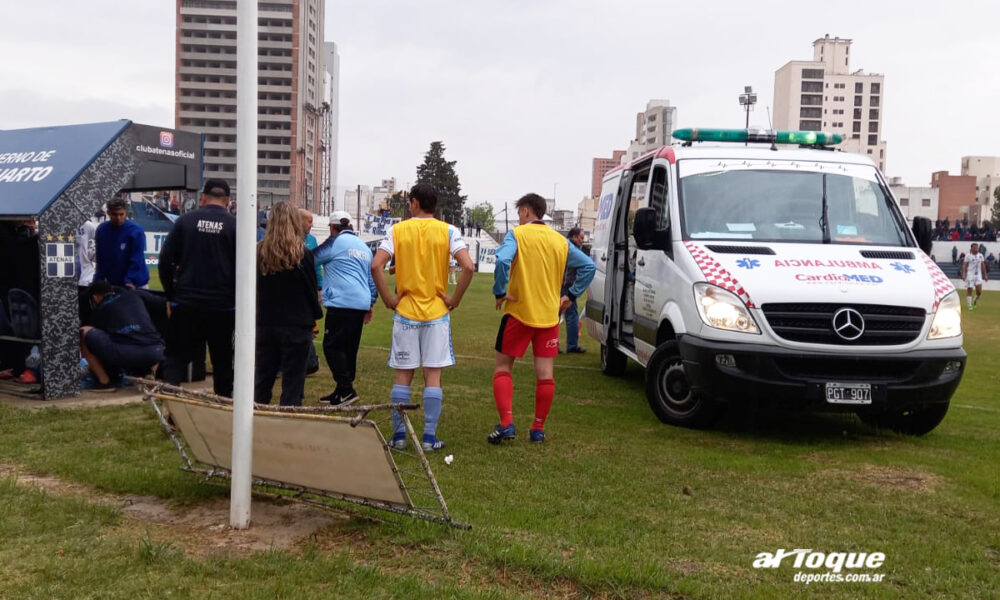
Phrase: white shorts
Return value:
(973, 280)
(421, 343)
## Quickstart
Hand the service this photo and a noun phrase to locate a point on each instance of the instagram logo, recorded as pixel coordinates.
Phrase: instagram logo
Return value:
(167, 139)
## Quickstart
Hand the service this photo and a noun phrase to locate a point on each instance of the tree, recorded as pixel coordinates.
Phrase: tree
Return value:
(398, 205)
(440, 173)
(995, 217)
(481, 213)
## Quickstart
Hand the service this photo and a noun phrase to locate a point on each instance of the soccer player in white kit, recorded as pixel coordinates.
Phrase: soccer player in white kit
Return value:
(973, 271)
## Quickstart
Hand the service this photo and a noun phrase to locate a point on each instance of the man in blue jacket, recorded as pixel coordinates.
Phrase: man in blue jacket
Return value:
(121, 249)
(348, 295)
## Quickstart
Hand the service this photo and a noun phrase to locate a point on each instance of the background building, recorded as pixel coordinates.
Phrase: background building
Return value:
(600, 167)
(586, 212)
(331, 126)
(824, 95)
(915, 201)
(956, 196)
(358, 201)
(986, 170)
(291, 93)
(653, 128)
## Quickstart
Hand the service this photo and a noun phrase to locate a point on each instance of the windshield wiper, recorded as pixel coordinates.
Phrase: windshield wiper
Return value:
(824, 220)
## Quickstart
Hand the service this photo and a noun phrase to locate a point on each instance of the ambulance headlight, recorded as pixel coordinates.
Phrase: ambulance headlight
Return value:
(947, 322)
(722, 309)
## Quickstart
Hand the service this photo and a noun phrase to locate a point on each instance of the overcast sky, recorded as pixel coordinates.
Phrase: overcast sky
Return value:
(524, 93)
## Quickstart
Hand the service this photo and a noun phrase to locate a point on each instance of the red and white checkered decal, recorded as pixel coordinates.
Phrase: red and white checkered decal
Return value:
(716, 274)
(942, 286)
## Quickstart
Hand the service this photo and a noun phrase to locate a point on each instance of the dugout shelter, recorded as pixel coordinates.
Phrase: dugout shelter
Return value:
(55, 178)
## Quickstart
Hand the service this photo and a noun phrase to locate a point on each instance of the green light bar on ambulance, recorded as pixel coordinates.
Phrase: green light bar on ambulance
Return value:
(758, 136)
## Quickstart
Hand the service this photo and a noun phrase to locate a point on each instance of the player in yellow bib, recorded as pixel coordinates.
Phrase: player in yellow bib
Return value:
(421, 328)
(527, 283)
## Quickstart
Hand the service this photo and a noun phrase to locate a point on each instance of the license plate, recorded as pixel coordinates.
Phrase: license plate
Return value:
(849, 393)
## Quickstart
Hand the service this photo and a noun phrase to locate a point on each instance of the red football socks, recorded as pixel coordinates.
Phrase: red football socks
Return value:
(503, 395)
(545, 391)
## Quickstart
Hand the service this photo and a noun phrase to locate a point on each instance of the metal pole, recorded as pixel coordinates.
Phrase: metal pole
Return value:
(246, 262)
(358, 218)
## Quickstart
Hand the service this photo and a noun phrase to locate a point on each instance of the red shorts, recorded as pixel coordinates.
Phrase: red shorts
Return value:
(514, 336)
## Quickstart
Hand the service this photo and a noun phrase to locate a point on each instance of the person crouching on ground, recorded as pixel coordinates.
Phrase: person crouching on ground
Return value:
(121, 336)
(287, 307)
(348, 295)
(527, 281)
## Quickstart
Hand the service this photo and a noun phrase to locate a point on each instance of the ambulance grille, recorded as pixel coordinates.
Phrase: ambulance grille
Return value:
(887, 254)
(740, 249)
(813, 323)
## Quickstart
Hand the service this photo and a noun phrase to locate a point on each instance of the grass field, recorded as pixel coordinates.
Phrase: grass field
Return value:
(614, 505)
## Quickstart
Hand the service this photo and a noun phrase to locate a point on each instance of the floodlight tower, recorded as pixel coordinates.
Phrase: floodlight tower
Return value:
(747, 99)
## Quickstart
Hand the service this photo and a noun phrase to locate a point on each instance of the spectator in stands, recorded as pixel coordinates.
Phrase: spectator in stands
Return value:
(348, 295)
(122, 338)
(121, 249)
(198, 274)
(287, 307)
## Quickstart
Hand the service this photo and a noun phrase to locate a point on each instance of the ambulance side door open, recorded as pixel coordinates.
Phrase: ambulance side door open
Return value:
(619, 309)
(656, 277)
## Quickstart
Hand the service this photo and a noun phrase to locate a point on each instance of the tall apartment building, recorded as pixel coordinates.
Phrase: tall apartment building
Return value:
(290, 93)
(653, 127)
(331, 126)
(825, 95)
(600, 167)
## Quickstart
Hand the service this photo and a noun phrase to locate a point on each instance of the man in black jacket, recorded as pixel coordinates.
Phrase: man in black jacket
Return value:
(198, 274)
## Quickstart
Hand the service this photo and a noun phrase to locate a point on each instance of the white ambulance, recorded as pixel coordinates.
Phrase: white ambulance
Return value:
(773, 274)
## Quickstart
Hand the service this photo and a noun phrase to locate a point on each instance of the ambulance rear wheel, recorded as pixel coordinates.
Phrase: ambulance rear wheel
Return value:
(670, 394)
(612, 361)
(912, 421)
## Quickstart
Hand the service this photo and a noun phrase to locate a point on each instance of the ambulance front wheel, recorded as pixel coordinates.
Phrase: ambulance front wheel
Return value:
(911, 421)
(670, 394)
(612, 361)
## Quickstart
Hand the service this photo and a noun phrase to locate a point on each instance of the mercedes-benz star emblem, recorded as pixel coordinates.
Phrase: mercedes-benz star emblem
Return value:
(848, 324)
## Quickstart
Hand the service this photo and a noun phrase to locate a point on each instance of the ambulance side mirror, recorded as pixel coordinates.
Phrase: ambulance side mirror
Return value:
(647, 237)
(923, 231)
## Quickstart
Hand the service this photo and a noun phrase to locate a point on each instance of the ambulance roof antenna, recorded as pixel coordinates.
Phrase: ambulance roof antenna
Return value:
(770, 126)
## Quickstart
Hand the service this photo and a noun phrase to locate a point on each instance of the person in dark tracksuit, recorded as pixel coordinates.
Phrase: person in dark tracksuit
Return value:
(121, 337)
(287, 307)
(198, 274)
(348, 295)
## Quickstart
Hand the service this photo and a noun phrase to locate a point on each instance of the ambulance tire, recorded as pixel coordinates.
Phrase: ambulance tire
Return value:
(612, 361)
(912, 421)
(670, 394)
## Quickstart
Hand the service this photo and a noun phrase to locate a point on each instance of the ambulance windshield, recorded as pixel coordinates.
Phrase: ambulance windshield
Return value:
(788, 202)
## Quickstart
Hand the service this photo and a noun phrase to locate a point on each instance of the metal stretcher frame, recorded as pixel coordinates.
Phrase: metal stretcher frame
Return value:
(205, 449)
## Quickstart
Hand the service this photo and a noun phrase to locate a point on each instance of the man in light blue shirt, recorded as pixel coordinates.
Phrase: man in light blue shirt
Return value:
(348, 295)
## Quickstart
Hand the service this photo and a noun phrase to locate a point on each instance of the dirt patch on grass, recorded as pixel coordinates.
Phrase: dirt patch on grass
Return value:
(202, 529)
(896, 478)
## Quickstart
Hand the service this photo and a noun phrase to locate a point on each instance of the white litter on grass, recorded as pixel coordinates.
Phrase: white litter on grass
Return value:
(448, 459)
